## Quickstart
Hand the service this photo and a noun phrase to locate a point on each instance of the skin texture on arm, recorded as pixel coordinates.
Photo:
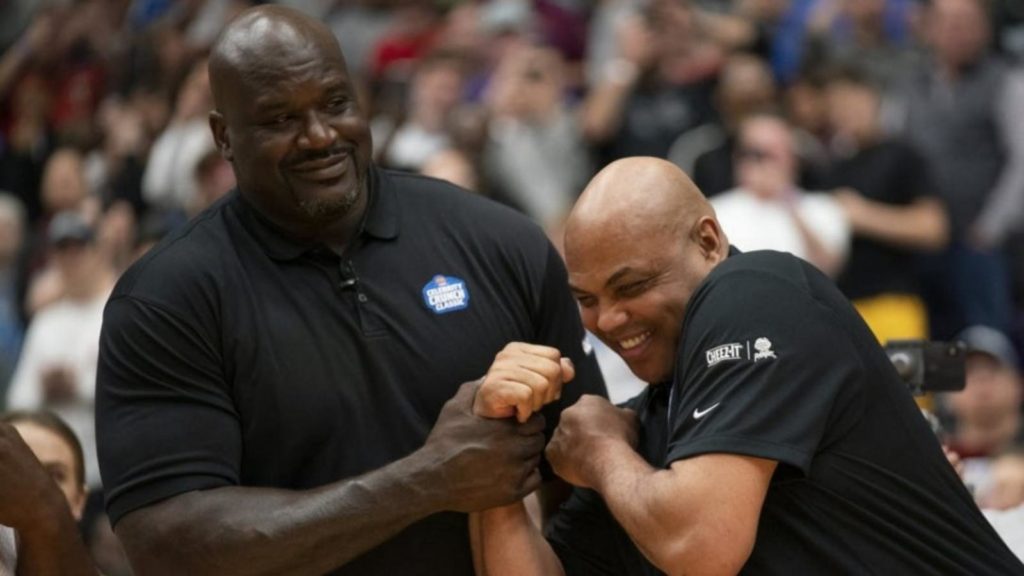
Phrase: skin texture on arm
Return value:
(32, 504)
(468, 463)
(698, 517)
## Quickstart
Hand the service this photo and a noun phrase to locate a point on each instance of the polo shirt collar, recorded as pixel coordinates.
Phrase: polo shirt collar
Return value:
(380, 222)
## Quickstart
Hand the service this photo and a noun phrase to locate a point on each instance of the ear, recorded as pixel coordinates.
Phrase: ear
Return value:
(710, 239)
(220, 135)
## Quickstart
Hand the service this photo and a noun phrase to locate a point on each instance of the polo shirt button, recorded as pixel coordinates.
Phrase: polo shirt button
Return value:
(363, 298)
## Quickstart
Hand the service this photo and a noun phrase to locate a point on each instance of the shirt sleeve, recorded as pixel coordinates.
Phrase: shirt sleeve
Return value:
(764, 370)
(165, 421)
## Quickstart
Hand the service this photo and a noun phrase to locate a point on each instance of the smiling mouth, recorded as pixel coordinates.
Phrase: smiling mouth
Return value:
(630, 343)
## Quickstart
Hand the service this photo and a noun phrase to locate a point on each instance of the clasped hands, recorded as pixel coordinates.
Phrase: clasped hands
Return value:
(526, 377)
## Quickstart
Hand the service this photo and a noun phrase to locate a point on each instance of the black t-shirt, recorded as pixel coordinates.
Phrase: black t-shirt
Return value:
(775, 363)
(893, 173)
(233, 356)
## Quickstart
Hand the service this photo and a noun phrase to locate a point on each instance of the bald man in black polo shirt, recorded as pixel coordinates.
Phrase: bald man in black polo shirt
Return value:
(279, 382)
(778, 438)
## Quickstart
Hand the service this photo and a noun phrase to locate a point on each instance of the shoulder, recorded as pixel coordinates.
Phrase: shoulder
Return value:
(439, 197)
(765, 273)
(192, 255)
(429, 205)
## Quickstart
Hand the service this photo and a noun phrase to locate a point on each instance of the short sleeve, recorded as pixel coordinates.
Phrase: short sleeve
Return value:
(165, 422)
(762, 370)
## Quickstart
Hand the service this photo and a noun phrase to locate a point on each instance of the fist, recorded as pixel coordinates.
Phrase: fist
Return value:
(584, 430)
(522, 379)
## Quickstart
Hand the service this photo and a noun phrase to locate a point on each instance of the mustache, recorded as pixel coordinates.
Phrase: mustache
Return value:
(318, 155)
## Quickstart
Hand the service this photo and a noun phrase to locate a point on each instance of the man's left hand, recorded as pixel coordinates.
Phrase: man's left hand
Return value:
(584, 428)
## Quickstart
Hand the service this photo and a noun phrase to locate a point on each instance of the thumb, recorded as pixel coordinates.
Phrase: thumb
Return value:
(568, 369)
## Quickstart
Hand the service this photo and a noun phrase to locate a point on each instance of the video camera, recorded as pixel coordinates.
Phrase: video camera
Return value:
(927, 366)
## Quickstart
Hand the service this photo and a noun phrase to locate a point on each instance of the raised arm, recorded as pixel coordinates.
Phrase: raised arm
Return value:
(32, 504)
(523, 378)
(468, 463)
(698, 517)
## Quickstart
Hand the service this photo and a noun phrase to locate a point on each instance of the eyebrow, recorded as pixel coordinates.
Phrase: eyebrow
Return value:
(614, 278)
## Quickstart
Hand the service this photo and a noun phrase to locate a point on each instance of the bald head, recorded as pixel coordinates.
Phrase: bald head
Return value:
(638, 195)
(639, 242)
(252, 45)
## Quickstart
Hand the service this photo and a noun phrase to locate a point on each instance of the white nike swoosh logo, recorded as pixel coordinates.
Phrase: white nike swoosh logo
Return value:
(698, 413)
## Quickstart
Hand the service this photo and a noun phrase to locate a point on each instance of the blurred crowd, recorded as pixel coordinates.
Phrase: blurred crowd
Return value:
(882, 140)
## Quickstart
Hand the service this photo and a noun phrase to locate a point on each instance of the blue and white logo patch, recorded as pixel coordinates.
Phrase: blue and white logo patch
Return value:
(445, 294)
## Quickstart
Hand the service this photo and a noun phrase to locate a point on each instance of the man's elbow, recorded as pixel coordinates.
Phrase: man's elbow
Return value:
(704, 555)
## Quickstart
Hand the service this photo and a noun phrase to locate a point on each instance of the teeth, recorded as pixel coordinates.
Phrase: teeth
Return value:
(634, 341)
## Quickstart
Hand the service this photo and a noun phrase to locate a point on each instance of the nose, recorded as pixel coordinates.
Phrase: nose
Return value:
(611, 317)
(316, 133)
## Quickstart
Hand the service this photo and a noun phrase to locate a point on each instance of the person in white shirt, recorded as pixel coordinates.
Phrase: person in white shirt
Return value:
(57, 366)
(768, 211)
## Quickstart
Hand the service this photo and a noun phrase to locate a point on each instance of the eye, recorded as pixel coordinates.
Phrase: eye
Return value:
(338, 104)
(633, 288)
(586, 301)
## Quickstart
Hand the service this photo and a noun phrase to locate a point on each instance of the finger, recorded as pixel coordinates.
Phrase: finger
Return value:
(500, 398)
(532, 483)
(535, 425)
(533, 349)
(539, 383)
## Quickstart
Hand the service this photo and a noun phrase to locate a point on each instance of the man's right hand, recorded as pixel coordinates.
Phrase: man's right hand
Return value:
(522, 379)
(482, 462)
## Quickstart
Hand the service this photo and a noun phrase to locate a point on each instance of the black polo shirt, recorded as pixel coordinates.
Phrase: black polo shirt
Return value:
(775, 363)
(233, 356)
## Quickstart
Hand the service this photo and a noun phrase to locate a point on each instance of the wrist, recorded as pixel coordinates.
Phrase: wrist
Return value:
(605, 459)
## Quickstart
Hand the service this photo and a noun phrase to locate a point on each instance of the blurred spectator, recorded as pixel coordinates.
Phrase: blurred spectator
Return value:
(872, 35)
(413, 33)
(985, 418)
(1005, 506)
(768, 211)
(57, 368)
(658, 88)
(64, 189)
(27, 143)
(12, 239)
(534, 155)
(435, 90)
(214, 178)
(169, 181)
(889, 199)
(42, 475)
(453, 166)
(807, 110)
(745, 86)
(965, 112)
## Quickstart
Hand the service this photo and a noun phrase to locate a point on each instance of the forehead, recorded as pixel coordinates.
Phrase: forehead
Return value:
(595, 255)
(47, 445)
(279, 66)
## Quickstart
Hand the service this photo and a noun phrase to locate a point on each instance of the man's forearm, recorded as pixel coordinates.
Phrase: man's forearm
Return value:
(241, 530)
(628, 485)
